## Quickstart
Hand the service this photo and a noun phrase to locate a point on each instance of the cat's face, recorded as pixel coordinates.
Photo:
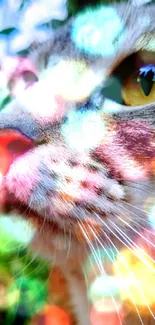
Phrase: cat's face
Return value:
(91, 120)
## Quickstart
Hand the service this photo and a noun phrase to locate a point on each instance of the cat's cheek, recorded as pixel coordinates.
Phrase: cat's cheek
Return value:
(134, 172)
(121, 162)
(22, 178)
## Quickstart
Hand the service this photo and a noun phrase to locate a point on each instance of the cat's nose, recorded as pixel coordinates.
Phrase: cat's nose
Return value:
(12, 145)
(19, 72)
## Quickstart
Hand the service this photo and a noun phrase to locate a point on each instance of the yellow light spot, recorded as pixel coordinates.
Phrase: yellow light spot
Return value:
(73, 80)
(138, 273)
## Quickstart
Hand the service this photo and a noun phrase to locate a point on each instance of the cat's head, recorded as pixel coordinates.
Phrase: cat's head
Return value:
(88, 125)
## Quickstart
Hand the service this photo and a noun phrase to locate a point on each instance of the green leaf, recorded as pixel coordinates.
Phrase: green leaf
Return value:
(7, 31)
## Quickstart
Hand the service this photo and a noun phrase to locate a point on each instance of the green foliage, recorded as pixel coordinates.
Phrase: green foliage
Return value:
(78, 5)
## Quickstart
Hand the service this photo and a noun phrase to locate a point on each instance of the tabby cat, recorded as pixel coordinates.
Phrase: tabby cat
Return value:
(84, 146)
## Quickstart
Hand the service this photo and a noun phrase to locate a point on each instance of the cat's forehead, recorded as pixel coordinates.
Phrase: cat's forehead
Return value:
(137, 19)
(110, 31)
(105, 35)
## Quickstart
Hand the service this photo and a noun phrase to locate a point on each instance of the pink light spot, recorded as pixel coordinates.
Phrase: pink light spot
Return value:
(104, 318)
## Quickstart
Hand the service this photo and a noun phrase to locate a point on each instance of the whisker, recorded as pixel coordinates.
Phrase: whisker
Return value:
(101, 267)
(133, 229)
(82, 227)
(136, 215)
(141, 189)
(35, 255)
(134, 206)
(127, 240)
(146, 227)
(134, 245)
(69, 237)
(128, 290)
(142, 295)
(96, 258)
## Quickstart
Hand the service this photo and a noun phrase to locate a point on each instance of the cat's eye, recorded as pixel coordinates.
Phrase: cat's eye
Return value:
(139, 88)
(133, 82)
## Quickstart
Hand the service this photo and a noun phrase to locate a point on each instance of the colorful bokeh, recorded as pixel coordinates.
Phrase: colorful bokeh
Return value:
(73, 80)
(95, 35)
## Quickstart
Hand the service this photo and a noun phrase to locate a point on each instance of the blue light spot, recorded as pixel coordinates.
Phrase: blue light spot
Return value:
(98, 32)
(83, 130)
(17, 229)
(151, 216)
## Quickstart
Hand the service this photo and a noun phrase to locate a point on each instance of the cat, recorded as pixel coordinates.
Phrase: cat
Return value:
(84, 133)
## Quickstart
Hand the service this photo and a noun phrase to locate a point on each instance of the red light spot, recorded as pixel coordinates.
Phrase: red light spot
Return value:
(57, 316)
(103, 318)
